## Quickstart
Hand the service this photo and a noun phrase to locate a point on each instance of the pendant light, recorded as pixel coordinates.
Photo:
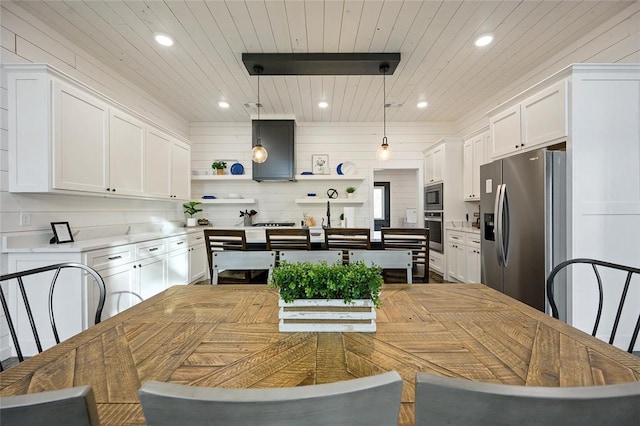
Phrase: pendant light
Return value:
(383, 152)
(258, 153)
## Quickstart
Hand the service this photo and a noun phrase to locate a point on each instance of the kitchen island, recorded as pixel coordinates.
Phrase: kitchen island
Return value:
(228, 336)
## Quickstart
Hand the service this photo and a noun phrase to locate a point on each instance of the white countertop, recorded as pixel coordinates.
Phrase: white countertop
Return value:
(467, 229)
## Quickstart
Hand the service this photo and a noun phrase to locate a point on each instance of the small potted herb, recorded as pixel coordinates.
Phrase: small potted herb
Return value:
(190, 208)
(350, 190)
(219, 166)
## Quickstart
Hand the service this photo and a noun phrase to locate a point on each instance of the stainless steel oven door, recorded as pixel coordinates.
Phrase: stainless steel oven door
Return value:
(433, 221)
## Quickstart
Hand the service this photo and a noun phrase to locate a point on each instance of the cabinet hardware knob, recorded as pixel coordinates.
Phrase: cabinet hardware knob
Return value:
(522, 145)
(108, 189)
(113, 190)
(516, 146)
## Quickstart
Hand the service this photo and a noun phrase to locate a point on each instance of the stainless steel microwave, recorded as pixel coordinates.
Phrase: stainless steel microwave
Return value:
(433, 197)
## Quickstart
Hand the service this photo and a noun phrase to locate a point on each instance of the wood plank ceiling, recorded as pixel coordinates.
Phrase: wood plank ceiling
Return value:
(439, 64)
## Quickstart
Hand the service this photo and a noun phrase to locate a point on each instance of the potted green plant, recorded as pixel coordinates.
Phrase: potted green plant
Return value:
(341, 220)
(338, 297)
(190, 208)
(219, 166)
(350, 190)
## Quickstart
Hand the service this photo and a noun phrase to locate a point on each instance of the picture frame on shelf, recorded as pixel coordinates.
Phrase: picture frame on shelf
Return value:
(320, 164)
(61, 233)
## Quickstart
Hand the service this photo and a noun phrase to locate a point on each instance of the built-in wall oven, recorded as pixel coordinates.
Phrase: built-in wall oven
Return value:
(433, 221)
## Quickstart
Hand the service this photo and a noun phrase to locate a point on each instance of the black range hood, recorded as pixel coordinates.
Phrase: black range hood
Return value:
(277, 137)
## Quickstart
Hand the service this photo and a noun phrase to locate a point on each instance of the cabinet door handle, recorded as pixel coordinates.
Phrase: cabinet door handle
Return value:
(180, 242)
(114, 257)
(113, 190)
(108, 189)
(153, 249)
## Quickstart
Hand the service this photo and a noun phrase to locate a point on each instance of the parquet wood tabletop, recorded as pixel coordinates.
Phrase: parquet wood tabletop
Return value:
(228, 336)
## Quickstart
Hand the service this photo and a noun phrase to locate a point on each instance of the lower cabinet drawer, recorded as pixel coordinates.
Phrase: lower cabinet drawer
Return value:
(107, 258)
(436, 262)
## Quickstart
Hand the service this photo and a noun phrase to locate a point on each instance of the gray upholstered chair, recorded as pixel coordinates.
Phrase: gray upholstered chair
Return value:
(386, 259)
(73, 406)
(313, 256)
(241, 261)
(373, 400)
(445, 400)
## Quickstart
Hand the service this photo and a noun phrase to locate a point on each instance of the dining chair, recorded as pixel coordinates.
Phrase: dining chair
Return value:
(287, 239)
(313, 256)
(615, 291)
(414, 239)
(452, 401)
(242, 261)
(346, 239)
(73, 406)
(386, 259)
(226, 240)
(17, 279)
(373, 400)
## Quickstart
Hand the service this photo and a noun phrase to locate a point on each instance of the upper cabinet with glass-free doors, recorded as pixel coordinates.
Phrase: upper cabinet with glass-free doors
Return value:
(68, 138)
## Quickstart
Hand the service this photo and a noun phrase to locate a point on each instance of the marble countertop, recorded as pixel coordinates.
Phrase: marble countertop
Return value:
(467, 229)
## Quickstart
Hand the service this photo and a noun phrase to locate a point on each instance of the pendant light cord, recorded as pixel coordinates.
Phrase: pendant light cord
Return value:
(384, 105)
(259, 125)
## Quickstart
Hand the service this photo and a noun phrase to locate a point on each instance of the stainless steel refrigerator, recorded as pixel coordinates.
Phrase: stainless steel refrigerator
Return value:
(523, 223)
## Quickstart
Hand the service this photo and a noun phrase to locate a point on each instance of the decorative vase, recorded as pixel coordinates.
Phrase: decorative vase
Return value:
(322, 315)
(350, 194)
(192, 221)
(247, 220)
(219, 171)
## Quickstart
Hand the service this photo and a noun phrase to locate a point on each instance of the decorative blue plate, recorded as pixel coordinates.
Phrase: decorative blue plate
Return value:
(306, 173)
(339, 169)
(237, 169)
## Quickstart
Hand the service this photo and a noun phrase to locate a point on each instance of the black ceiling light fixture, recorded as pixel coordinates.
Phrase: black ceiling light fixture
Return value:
(258, 153)
(383, 152)
(320, 63)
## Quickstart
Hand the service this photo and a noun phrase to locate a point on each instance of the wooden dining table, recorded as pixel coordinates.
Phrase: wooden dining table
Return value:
(227, 336)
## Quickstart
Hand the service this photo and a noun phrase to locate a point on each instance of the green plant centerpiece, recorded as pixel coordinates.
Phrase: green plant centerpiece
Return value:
(321, 281)
(327, 298)
(351, 189)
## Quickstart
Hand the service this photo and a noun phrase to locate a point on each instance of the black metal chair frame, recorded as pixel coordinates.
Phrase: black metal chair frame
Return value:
(18, 276)
(594, 264)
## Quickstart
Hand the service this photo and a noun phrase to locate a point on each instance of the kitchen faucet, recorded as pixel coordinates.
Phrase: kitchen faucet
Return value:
(328, 215)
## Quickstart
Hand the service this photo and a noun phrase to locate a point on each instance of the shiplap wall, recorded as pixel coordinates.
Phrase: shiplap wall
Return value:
(355, 142)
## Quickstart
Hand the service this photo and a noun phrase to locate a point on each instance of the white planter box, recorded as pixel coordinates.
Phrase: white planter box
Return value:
(332, 315)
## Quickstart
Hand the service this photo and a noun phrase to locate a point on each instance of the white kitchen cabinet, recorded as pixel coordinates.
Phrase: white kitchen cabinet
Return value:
(178, 261)
(126, 154)
(180, 171)
(434, 165)
(198, 263)
(463, 256)
(167, 167)
(455, 254)
(539, 120)
(475, 154)
(472, 258)
(123, 289)
(506, 133)
(80, 141)
(68, 138)
(436, 262)
(151, 275)
(544, 116)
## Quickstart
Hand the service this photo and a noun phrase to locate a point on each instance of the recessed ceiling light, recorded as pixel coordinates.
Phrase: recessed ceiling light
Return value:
(484, 40)
(163, 39)
(422, 104)
(223, 104)
(323, 104)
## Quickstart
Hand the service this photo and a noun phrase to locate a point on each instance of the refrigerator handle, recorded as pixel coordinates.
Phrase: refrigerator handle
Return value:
(505, 229)
(497, 211)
